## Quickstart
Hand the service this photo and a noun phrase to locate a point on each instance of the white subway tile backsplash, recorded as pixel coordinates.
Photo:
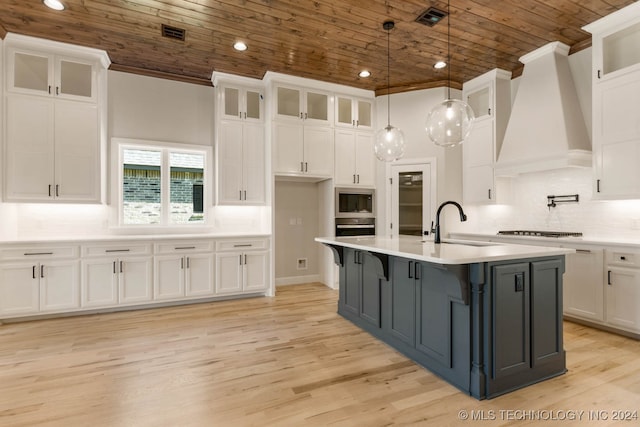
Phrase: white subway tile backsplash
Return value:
(528, 208)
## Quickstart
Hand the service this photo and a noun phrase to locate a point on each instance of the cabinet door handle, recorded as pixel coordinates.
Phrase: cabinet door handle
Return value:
(489, 191)
(57, 90)
(597, 186)
(33, 271)
(244, 245)
(598, 73)
(417, 270)
(188, 263)
(301, 114)
(116, 250)
(357, 123)
(181, 263)
(609, 277)
(245, 194)
(410, 269)
(49, 89)
(305, 116)
(114, 267)
(240, 257)
(239, 114)
(178, 248)
(49, 190)
(354, 178)
(301, 166)
(306, 167)
(353, 122)
(42, 271)
(240, 197)
(245, 259)
(120, 266)
(57, 190)
(358, 176)
(38, 253)
(489, 111)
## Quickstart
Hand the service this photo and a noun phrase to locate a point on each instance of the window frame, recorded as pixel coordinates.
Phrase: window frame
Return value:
(165, 148)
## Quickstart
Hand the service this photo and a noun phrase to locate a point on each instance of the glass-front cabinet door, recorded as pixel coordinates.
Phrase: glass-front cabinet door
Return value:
(241, 104)
(288, 103)
(353, 113)
(30, 72)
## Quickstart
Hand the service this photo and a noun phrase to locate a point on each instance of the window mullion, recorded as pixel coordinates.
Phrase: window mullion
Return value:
(165, 173)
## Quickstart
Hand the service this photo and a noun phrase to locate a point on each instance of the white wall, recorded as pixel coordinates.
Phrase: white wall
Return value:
(297, 220)
(409, 112)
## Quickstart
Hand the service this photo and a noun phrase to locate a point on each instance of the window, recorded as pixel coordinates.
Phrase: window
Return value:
(162, 185)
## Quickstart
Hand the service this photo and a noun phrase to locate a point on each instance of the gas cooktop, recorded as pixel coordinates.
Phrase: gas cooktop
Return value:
(533, 233)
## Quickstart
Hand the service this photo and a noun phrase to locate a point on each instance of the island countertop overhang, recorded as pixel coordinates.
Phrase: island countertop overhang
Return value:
(449, 252)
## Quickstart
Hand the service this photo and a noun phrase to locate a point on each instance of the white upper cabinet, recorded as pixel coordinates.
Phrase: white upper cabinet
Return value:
(489, 95)
(42, 72)
(616, 104)
(354, 112)
(240, 103)
(307, 105)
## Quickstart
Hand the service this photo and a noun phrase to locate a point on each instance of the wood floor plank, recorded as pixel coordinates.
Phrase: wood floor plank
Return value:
(283, 361)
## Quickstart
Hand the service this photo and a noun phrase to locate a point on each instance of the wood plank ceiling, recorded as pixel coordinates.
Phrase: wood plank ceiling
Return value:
(331, 40)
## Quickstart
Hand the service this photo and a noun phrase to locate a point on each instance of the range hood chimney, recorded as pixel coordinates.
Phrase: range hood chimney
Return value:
(546, 129)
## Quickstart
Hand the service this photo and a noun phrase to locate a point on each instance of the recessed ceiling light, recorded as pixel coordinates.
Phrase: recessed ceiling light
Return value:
(241, 46)
(53, 4)
(364, 73)
(440, 64)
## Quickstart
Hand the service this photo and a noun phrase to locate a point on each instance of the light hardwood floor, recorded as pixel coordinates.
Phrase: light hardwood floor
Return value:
(283, 361)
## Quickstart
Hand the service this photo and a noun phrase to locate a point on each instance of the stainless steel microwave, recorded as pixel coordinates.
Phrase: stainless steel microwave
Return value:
(355, 203)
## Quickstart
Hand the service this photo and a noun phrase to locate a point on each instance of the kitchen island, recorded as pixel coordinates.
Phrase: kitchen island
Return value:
(485, 317)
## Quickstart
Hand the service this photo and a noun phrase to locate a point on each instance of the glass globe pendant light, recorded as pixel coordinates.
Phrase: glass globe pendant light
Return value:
(450, 122)
(389, 141)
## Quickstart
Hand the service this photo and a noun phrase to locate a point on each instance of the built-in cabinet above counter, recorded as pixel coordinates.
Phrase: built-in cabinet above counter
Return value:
(240, 140)
(55, 119)
(616, 104)
(489, 95)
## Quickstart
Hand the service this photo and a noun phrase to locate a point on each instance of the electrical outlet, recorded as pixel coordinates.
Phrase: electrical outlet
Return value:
(302, 263)
(292, 221)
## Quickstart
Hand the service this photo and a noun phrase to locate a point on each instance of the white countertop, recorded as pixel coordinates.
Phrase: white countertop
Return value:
(128, 237)
(449, 252)
(577, 242)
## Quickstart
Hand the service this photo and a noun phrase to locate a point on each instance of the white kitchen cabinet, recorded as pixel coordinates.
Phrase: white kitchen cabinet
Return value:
(241, 103)
(241, 163)
(242, 266)
(583, 288)
(489, 97)
(116, 281)
(303, 150)
(116, 274)
(183, 270)
(623, 289)
(355, 159)
(52, 150)
(47, 74)
(301, 105)
(354, 112)
(616, 103)
(54, 115)
(38, 287)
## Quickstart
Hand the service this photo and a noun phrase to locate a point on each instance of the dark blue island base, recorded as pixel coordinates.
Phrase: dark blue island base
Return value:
(488, 328)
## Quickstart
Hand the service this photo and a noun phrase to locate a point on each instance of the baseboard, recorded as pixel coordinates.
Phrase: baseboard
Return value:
(296, 280)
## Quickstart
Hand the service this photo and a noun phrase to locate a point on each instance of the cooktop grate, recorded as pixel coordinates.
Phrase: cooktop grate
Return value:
(535, 233)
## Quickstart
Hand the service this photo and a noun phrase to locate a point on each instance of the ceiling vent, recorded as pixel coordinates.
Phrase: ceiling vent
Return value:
(173, 32)
(431, 16)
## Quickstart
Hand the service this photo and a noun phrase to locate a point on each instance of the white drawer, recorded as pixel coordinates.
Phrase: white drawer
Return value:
(116, 249)
(623, 258)
(241, 244)
(38, 252)
(184, 247)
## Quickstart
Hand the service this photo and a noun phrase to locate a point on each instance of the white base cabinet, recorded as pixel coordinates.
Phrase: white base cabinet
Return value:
(32, 288)
(583, 293)
(242, 266)
(116, 281)
(186, 271)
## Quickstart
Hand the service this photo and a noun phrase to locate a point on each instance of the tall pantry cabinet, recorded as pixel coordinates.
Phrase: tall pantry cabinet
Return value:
(54, 121)
(616, 104)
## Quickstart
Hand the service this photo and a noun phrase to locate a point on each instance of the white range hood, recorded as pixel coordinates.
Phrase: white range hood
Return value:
(546, 129)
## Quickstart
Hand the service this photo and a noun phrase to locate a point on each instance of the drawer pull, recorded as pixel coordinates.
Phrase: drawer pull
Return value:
(117, 250)
(38, 253)
(583, 251)
(185, 247)
(243, 246)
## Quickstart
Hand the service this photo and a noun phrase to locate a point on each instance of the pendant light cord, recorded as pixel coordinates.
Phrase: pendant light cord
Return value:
(449, 47)
(388, 77)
